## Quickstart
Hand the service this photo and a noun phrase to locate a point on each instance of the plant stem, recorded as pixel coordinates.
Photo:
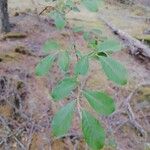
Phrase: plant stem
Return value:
(78, 89)
(78, 103)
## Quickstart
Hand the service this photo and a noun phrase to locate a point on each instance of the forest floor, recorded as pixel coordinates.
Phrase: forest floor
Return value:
(26, 108)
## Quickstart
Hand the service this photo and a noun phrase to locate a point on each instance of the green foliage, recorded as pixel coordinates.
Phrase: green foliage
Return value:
(91, 35)
(82, 66)
(92, 5)
(93, 132)
(109, 45)
(78, 54)
(101, 102)
(63, 60)
(114, 70)
(101, 48)
(62, 120)
(44, 66)
(78, 29)
(64, 88)
(59, 19)
(70, 4)
(50, 45)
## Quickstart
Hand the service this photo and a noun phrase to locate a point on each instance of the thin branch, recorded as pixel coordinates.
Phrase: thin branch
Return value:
(130, 113)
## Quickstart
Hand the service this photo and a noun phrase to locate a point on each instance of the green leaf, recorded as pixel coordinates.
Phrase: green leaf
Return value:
(63, 60)
(49, 0)
(51, 45)
(78, 29)
(92, 43)
(92, 5)
(93, 132)
(82, 66)
(101, 102)
(109, 45)
(97, 32)
(69, 3)
(86, 36)
(64, 88)
(62, 120)
(75, 9)
(114, 70)
(44, 66)
(79, 54)
(59, 19)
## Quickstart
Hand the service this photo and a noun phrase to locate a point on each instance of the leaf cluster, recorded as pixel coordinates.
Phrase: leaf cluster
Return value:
(101, 102)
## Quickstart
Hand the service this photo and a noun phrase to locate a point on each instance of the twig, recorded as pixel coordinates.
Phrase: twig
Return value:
(30, 136)
(128, 99)
(52, 8)
(127, 109)
(78, 102)
(70, 135)
(127, 106)
(76, 145)
(134, 122)
(9, 130)
(78, 88)
(43, 10)
(21, 145)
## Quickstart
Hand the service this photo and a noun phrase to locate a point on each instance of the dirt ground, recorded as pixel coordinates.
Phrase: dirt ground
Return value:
(26, 108)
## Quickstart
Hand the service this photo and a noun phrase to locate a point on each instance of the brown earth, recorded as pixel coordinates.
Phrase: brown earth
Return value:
(26, 108)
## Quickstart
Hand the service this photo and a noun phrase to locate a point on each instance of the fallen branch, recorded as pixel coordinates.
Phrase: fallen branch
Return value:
(147, 19)
(134, 122)
(126, 109)
(24, 51)
(13, 35)
(131, 116)
(136, 47)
